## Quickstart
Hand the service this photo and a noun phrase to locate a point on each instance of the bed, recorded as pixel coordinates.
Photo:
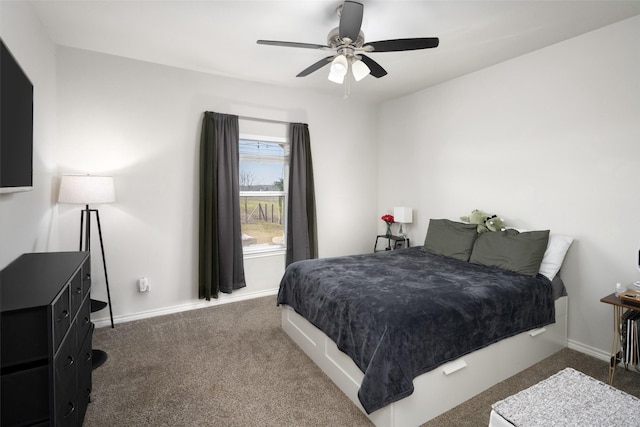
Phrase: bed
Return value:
(408, 334)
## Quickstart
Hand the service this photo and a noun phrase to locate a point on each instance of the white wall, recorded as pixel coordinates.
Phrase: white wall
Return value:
(547, 140)
(140, 122)
(28, 219)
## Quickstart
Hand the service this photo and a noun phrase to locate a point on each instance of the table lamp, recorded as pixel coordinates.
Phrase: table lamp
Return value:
(402, 216)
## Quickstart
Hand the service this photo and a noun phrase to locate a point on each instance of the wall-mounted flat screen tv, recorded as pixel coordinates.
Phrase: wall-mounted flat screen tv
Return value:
(16, 125)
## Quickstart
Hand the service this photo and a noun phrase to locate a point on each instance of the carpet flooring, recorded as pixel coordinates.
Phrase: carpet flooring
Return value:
(232, 365)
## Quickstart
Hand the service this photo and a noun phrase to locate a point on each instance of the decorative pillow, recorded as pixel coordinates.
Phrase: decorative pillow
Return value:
(511, 250)
(554, 255)
(450, 238)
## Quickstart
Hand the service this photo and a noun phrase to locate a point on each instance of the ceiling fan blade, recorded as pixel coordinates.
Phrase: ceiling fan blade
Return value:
(351, 20)
(376, 70)
(315, 67)
(404, 44)
(292, 44)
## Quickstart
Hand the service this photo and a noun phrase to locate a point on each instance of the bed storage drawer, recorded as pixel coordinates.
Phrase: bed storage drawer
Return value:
(324, 353)
(523, 350)
(309, 337)
(456, 381)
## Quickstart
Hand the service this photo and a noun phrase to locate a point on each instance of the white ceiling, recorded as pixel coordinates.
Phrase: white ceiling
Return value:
(219, 37)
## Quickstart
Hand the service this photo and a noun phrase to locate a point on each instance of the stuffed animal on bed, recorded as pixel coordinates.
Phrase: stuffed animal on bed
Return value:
(477, 217)
(493, 223)
(484, 221)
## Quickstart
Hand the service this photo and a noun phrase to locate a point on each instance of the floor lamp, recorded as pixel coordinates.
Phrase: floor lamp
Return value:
(87, 190)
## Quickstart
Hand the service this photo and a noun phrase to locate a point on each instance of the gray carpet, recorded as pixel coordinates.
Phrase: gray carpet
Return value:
(232, 365)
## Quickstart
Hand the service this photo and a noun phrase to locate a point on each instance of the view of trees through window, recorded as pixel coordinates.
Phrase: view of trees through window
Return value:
(262, 174)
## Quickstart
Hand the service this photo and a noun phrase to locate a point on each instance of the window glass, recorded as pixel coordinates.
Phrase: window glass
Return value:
(262, 174)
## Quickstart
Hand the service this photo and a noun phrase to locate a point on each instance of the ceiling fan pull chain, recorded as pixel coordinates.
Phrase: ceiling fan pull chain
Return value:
(347, 83)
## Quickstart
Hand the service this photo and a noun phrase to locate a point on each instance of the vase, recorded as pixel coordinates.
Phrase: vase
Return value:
(388, 229)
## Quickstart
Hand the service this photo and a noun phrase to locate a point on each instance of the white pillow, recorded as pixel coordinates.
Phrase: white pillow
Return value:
(554, 255)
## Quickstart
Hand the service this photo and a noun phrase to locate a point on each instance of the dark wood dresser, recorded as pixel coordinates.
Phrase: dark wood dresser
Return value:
(45, 348)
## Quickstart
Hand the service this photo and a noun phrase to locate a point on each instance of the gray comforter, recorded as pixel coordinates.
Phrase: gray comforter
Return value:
(401, 313)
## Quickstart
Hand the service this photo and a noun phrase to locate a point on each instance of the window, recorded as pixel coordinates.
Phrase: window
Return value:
(263, 173)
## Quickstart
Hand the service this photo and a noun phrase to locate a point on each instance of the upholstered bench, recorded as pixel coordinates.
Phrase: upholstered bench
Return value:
(568, 398)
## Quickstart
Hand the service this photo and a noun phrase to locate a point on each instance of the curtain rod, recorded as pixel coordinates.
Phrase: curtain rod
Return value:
(256, 119)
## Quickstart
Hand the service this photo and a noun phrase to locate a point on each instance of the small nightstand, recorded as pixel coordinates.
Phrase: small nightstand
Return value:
(398, 242)
(620, 306)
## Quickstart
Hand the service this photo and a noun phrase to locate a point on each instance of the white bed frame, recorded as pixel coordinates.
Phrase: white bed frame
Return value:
(443, 388)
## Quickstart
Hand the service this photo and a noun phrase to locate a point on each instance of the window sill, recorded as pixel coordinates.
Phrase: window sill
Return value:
(267, 252)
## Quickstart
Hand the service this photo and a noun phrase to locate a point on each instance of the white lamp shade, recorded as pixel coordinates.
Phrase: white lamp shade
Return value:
(359, 70)
(403, 215)
(86, 189)
(339, 65)
(336, 78)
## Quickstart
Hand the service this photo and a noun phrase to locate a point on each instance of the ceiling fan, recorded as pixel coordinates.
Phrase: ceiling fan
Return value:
(347, 41)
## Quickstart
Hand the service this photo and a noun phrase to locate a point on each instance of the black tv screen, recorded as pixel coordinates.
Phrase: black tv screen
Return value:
(16, 125)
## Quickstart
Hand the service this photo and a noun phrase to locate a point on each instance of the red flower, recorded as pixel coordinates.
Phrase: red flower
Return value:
(389, 219)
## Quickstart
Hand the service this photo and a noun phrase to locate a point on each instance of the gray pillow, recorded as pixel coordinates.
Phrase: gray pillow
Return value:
(511, 250)
(450, 238)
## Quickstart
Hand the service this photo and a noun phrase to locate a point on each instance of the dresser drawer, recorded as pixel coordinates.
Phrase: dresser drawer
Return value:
(86, 277)
(14, 327)
(66, 379)
(67, 412)
(84, 321)
(75, 287)
(66, 359)
(61, 317)
(85, 360)
(25, 397)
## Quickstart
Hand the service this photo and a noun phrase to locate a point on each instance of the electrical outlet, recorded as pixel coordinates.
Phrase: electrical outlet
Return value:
(143, 284)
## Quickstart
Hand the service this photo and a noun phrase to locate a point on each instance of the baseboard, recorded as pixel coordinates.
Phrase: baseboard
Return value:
(223, 299)
(591, 351)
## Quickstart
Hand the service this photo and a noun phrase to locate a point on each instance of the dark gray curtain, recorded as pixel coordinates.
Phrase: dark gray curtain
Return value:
(302, 235)
(221, 266)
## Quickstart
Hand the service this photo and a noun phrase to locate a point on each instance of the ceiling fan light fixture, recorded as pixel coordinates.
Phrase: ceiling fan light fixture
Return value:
(359, 70)
(339, 66)
(336, 78)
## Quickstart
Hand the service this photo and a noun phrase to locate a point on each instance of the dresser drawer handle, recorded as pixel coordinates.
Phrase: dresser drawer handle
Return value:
(71, 362)
(72, 408)
(86, 321)
(65, 314)
(78, 291)
(88, 355)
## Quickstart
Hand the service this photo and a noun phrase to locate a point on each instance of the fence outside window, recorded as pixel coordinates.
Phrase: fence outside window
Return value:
(263, 173)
